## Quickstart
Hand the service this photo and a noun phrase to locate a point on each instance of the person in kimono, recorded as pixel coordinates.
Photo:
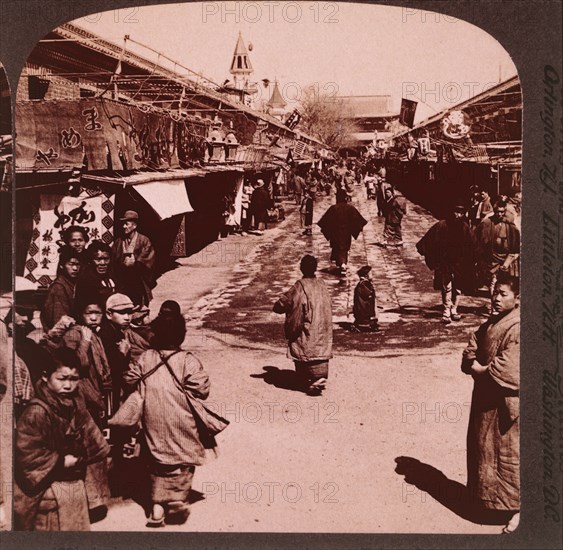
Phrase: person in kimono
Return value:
(56, 438)
(134, 261)
(173, 440)
(60, 296)
(95, 388)
(307, 306)
(306, 211)
(394, 209)
(492, 358)
(498, 245)
(260, 202)
(339, 224)
(365, 306)
(447, 248)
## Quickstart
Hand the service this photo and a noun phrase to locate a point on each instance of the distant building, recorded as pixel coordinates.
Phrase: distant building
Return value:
(241, 69)
(276, 104)
(370, 114)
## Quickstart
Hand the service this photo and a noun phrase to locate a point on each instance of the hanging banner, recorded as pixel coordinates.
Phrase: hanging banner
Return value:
(55, 214)
(293, 119)
(408, 110)
(103, 134)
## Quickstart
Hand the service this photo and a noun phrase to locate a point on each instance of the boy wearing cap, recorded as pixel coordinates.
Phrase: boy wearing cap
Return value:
(133, 260)
(365, 308)
(121, 343)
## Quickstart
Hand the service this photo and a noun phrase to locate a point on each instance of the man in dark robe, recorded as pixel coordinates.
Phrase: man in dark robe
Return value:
(259, 204)
(339, 224)
(447, 248)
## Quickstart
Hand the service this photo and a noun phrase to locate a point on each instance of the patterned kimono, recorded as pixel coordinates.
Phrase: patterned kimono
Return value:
(493, 437)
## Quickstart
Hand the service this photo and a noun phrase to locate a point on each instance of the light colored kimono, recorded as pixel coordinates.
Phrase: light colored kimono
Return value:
(314, 342)
(493, 437)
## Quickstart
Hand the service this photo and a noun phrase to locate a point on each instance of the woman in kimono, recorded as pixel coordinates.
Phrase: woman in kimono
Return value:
(308, 327)
(56, 438)
(395, 207)
(166, 373)
(493, 438)
(60, 296)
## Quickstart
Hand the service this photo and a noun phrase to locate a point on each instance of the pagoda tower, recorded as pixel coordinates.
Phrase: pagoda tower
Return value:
(241, 68)
(276, 104)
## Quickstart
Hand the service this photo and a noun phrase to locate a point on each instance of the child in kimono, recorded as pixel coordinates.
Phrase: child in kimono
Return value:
(56, 438)
(365, 308)
(492, 358)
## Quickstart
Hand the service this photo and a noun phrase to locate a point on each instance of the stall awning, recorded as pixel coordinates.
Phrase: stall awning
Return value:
(167, 198)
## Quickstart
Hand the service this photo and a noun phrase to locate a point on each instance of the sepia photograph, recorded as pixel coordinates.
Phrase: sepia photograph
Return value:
(266, 273)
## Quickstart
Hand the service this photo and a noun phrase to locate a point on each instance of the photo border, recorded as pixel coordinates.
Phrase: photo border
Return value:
(531, 33)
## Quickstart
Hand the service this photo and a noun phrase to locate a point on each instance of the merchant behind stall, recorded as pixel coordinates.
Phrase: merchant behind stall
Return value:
(133, 260)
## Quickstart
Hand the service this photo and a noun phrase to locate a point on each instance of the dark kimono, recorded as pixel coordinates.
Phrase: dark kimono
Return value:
(48, 496)
(59, 301)
(339, 224)
(138, 280)
(448, 250)
(93, 288)
(259, 204)
(365, 313)
(493, 436)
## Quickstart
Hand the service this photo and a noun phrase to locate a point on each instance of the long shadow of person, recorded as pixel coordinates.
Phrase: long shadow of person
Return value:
(451, 494)
(281, 378)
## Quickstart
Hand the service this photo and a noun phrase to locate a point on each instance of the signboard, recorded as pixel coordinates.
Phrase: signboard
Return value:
(54, 135)
(55, 214)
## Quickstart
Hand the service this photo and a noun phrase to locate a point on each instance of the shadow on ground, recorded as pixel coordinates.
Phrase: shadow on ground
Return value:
(284, 379)
(451, 494)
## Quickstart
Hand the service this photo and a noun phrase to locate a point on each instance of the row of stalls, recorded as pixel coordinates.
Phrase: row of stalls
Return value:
(477, 143)
(84, 156)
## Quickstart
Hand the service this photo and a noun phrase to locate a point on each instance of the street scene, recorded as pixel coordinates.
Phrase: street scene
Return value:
(261, 286)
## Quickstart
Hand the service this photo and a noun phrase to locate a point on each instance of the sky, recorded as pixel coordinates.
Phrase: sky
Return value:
(342, 49)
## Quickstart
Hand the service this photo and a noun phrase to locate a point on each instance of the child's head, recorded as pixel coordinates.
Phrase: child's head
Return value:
(308, 265)
(69, 262)
(506, 294)
(62, 372)
(363, 272)
(91, 314)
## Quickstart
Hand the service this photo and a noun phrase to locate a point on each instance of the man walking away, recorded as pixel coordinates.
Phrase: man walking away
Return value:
(308, 327)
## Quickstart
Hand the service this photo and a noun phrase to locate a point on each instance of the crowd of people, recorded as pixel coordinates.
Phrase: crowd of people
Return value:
(97, 370)
(76, 377)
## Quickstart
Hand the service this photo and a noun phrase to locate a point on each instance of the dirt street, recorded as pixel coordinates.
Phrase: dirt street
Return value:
(294, 463)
